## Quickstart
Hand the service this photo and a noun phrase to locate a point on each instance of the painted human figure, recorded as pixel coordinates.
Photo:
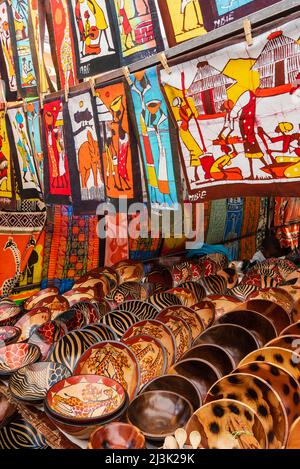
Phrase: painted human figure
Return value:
(24, 149)
(7, 50)
(127, 28)
(141, 85)
(56, 152)
(3, 164)
(219, 169)
(183, 11)
(101, 22)
(244, 111)
(27, 76)
(120, 140)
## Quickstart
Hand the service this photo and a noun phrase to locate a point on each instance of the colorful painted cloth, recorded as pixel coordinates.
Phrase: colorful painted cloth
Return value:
(19, 232)
(119, 152)
(157, 138)
(36, 19)
(182, 19)
(217, 13)
(22, 37)
(6, 164)
(95, 36)
(248, 244)
(86, 171)
(8, 73)
(139, 29)
(71, 246)
(64, 43)
(287, 211)
(238, 117)
(24, 162)
(56, 166)
(32, 272)
(116, 240)
(33, 121)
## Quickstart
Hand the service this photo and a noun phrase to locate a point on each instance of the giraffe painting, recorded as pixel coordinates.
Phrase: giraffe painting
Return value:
(9, 284)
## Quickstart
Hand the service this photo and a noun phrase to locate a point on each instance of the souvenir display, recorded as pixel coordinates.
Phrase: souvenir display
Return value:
(8, 71)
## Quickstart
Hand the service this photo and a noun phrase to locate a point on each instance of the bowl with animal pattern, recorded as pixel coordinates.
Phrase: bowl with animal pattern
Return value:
(31, 302)
(223, 304)
(181, 331)
(79, 294)
(15, 356)
(56, 303)
(129, 270)
(32, 320)
(185, 295)
(163, 300)
(21, 434)
(206, 312)
(140, 309)
(99, 283)
(9, 313)
(158, 414)
(119, 321)
(31, 383)
(188, 315)
(89, 310)
(228, 424)
(46, 335)
(9, 335)
(72, 319)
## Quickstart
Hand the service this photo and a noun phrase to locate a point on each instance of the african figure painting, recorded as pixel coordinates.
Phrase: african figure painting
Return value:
(24, 163)
(32, 114)
(8, 72)
(95, 36)
(118, 146)
(238, 117)
(56, 167)
(64, 42)
(138, 25)
(23, 47)
(86, 172)
(6, 193)
(36, 26)
(157, 138)
(182, 19)
(217, 13)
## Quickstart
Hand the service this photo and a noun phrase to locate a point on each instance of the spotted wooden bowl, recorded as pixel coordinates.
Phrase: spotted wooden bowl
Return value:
(15, 356)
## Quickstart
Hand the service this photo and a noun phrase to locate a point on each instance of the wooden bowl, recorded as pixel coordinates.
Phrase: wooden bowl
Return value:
(236, 340)
(119, 321)
(117, 435)
(292, 329)
(31, 302)
(9, 313)
(15, 356)
(223, 304)
(228, 424)
(290, 342)
(294, 436)
(206, 312)
(163, 300)
(187, 314)
(140, 309)
(9, 335)
(20, 434)
(158, 414)
(214, 354)
(178, 384)
(279, 317)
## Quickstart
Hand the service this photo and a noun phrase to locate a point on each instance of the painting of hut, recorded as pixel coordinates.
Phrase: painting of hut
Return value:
(208, 89)
(279, 61)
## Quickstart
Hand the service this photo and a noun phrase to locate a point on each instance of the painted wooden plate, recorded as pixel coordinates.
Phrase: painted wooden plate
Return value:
(9, 335)
(214, 354)
(185, 295)
(286, 359)
(228, 424)
(20, 434)
(71, 346)
(9, 313)
(112, 359)
(151, 355)
(89, 310)
(129, 270)
(139, 308)
(72, 319)
(290, 342)
(281, 381)
(15, 356)
(261, 397)
(205, 311)
(79, 294)
(125, 292)
(103, 331)
(31, 302)
(182, 333)
(31, 320)
(46, 335)
(189, 316)
(56, 303)
(85, 398)
(32, 382)
(164, 300)
(223, 304)
(158, 330)
(196, 289)
(119, 321)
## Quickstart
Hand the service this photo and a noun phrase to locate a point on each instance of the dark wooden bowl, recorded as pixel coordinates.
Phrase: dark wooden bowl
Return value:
(117, 435)
(213, 354)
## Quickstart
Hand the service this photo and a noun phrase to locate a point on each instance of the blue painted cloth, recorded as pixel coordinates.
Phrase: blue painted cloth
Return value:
(209, 249)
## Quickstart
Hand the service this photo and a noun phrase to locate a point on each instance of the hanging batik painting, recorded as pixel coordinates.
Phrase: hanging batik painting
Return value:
(37, 28)
(6, 182)
(32, 111)
(71, 247)
(237, 112)
(24, 161)
(95, 36)
(139, 29)
(64, 43)
(23, 47)
(19, 232)
(83, 149)
(286, 220)
(32, 272)
(157, 138)
(182, 19)
(116, 238)
(8, 73)
(56, 167)
(217, 13)
(118, 146)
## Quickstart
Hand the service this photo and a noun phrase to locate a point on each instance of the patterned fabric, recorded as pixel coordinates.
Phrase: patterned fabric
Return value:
(157, 139)
(287, 210)
(35, 11)
(56, 167)
(119, 152)
(116, 240)
(22, 37)
(6, 174)
(217, 13)
(238, 118)
(141, 247)
(86, 171)
(233, 226)
(139, 29)
(64, 43)
(8, 73)
(24, 162)
(71, 247)
(250, 225)
(95, 36)
(19, 233)
(217, 221)
(32, 114)
(32, 272)
(182, 19)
